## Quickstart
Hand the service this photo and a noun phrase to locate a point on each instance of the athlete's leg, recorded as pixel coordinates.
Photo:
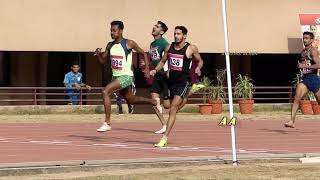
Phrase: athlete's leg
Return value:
(130, 106)
(178, 91)
(119, 102)
(107, 91)
(301, 91)
(177, 100)
(156, 96)
(166, 103)
(185, 100)
(317, 95)
(132, 99)
(159, 86)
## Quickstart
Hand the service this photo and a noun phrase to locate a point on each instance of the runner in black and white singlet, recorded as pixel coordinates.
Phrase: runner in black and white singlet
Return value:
(309, 64)
(179, 54)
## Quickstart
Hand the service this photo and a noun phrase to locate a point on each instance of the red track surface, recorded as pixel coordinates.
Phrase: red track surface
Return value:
(79, 141)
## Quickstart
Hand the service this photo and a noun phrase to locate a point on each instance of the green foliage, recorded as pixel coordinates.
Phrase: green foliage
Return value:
(244, 87)
(207, 83)
(216, 92)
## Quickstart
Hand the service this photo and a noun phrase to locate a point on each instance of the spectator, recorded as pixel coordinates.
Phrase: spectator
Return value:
(73, 82)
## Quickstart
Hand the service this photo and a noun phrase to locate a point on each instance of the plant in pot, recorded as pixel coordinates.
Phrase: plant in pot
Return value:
(205, 108)
(304, 104)
(244, 91)
(314, 103)
(217, 93)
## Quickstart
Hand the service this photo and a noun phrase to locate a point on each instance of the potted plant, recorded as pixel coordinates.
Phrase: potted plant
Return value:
(244, 90)
(205, 108)
(314, 103)
(304, 104)
(217, 93)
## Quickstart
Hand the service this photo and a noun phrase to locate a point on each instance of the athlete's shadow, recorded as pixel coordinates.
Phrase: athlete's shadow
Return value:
(287, 131)
(134, 130)
(93, 138)
(280, 131)
(141, 142)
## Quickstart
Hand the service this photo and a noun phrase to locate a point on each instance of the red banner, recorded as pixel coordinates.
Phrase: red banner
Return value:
(311, 23)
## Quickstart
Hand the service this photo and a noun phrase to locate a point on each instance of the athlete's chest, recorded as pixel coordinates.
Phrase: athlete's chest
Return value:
(155, 53)
(117, 49)
(178, 62)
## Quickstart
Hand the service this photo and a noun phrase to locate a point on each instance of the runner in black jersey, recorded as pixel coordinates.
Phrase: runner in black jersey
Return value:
(179, 54)
(309, 64)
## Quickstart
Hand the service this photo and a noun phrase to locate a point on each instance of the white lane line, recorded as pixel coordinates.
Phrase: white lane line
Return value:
(135, 146)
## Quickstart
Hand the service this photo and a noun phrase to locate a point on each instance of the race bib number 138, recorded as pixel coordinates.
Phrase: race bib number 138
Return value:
(176, 61)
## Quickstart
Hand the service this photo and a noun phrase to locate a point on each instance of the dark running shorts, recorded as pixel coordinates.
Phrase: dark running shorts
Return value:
(312, 81)
(179, 89)
(160, 86)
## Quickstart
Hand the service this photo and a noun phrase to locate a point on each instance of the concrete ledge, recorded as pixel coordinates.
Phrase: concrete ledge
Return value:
(310, 160)
(33, 168)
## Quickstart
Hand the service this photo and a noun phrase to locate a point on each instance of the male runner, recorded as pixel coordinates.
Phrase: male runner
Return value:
(159, 85)
(119, 51)
(179, 54)
(309, 63)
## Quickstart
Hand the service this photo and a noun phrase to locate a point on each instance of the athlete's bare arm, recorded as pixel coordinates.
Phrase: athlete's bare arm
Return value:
(196, 55)
(103, 56)
(133, 45)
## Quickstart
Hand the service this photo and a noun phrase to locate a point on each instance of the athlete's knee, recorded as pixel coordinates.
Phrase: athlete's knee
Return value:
(317, 96)
(166, 106)
(174, 108)
(131, 100)
(296, 99)
(106, 92)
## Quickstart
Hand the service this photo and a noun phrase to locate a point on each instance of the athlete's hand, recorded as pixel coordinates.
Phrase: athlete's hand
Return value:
(197, 71)
(98, 52)
(153, 72)
(301, 65)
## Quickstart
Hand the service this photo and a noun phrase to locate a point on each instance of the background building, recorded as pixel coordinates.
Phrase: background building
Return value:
(40, 38)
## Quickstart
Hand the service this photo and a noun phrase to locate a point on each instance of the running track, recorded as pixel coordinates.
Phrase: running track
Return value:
(131, 140)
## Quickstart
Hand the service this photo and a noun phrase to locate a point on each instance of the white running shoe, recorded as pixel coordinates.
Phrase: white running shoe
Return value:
(162, 130)
(104, 127)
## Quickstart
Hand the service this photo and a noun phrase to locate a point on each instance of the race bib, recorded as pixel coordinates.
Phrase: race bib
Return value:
(176, 61)
(307, 70)
(116, 62)
(155, 56)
